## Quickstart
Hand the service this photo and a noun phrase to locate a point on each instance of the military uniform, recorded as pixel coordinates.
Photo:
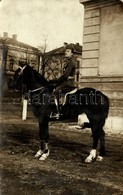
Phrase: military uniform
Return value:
(66, 82)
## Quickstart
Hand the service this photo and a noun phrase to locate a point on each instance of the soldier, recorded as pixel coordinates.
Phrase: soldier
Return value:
(66, 82)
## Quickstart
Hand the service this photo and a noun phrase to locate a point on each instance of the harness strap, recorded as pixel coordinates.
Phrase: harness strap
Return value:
(35, 89)
(22, 69)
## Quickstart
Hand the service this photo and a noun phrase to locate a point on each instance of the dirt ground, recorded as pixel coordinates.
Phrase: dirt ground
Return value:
(64, 172)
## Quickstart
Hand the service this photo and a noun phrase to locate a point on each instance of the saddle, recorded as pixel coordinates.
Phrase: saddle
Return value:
(62, 101)
(64, 98)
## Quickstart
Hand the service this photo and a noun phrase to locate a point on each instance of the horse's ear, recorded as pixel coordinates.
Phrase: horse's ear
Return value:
(20, 63)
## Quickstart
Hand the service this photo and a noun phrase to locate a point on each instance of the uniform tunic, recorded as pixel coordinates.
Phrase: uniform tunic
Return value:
(66, 82)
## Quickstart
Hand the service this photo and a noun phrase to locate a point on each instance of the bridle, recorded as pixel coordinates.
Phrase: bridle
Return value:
(22, 69)
(20, 73)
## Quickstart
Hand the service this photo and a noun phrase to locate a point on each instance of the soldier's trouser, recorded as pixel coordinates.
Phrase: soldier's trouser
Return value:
(59, 92)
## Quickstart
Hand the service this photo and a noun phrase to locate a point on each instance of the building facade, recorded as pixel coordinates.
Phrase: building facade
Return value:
(102, 57)
(11, 52)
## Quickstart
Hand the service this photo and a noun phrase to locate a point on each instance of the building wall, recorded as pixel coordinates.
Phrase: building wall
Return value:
(102, 39)
(21, 54)
(111, 41)
(90, 54)
(1, 57)
(10, 54)
(102, 64)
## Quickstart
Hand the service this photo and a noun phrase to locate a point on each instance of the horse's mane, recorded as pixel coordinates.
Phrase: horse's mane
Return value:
(39, 78)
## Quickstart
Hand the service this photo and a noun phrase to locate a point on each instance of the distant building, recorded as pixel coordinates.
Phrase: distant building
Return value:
(11, 51)
(54, 60)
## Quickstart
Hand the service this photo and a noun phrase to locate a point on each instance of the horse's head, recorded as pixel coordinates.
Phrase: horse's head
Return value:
(17, 81)
(26, 77)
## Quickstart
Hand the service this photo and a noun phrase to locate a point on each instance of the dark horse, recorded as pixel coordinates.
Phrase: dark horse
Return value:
(86, 100)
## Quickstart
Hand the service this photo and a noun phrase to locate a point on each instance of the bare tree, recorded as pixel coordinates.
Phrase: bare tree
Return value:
(44, 57)
(51, 63)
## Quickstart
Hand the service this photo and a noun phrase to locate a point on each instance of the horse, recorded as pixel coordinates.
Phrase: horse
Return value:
(85, 100)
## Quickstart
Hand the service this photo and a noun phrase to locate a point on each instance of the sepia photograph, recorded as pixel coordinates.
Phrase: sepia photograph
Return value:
(61, 97)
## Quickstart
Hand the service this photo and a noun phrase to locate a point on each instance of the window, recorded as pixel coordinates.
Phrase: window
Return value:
(11, 64)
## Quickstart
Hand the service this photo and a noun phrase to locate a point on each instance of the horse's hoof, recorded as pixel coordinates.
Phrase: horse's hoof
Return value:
(99, 158)
(44, 156)
(78, 127)
(38, 154)
(88, 160)
(91, 157)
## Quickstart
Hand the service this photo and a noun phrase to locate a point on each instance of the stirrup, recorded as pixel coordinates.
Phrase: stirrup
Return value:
(57, 116)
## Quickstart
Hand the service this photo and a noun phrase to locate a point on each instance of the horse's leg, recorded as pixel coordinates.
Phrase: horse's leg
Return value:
(95, 135)
(98, 134)
(102, 145)
(101, 138)
(43, 152)
(93, 152)
(44, 137)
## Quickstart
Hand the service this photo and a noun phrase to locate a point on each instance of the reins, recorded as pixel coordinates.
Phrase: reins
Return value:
(30, 91)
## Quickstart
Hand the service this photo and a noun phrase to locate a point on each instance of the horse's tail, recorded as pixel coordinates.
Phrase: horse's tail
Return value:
(105, 107)
(104, 112)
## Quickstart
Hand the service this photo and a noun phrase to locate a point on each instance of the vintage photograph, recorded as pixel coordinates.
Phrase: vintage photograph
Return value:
(61, 97)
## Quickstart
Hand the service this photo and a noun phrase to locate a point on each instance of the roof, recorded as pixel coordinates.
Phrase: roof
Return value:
(11, 41)
(84, 1)
(61, 50)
